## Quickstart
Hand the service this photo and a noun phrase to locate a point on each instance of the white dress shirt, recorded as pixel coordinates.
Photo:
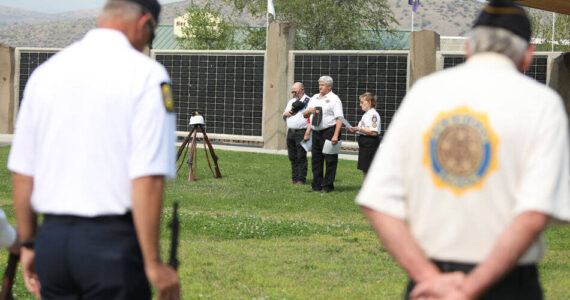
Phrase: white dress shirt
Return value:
(469, 149)
(92, 119)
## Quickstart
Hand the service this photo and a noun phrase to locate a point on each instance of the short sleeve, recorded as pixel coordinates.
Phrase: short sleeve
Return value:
(338, 109)
(288, 107)
(545, 183)
(21, 158)
(153, 133)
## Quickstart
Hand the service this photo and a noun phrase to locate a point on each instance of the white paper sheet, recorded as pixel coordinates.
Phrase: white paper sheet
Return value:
(307, 145)
(329, 148)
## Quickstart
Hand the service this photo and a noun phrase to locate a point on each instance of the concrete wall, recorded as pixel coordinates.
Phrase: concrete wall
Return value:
(7, 68)
(280, 40)
(423, 47)
(560, 78)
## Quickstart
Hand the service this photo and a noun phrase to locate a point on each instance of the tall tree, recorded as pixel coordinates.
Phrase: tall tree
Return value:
(207, 29)
(329, 24)
(542, 27)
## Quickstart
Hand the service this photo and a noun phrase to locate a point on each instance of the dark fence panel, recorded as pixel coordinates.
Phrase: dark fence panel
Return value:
(29, 61)
(226, 88)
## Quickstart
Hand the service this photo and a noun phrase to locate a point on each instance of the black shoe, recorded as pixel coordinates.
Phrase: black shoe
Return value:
(323, 191)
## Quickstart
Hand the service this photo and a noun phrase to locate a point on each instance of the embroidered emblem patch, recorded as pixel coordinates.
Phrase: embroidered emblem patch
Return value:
(460, 150)
(374, 125)
(167, 96)
(374, 119)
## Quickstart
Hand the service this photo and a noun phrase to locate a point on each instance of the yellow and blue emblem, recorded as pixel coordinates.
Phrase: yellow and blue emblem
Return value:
(167, 96)
(460, 150)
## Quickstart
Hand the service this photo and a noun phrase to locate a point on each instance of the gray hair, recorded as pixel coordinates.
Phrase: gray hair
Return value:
(327, 80)
(125, 10)
(498, 40)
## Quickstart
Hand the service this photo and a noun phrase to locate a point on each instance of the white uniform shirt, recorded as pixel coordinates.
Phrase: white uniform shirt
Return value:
(297, 121)
(370, 120)
(469, 149)
(332, 110)
(91, 120)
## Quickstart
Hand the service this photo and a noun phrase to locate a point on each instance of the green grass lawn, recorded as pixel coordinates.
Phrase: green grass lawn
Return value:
(250, 235)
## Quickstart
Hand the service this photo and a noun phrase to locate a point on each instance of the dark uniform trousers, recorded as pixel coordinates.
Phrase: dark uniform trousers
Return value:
(90, 258)
(297, 154)
(521, 283)
(320, 182)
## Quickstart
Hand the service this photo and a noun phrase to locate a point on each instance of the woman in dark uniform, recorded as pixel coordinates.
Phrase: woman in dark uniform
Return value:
(369, 129)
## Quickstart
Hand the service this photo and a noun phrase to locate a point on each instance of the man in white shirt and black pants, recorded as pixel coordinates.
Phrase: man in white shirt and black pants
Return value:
(325, 110)
(296, 128)
(93, 143)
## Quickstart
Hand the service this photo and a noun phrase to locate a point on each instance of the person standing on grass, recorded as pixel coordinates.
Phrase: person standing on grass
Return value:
(325, 110)
(369, 129)
(296, 129)
(93, 143)
(472, 168)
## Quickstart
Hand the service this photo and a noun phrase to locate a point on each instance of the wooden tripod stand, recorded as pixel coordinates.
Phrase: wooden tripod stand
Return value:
(192, 160)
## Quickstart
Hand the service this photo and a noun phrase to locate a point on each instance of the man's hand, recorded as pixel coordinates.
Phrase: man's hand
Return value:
(165, 280)
(444, 286)
(353, 129)
(334, 140)
(29, 272)
(308, 112)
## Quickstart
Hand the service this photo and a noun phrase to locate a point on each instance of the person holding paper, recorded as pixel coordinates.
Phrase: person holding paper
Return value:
(325, 110)
(296, 127)
(369, 129)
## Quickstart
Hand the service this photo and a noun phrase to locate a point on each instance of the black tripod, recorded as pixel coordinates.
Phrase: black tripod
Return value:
(193, 159)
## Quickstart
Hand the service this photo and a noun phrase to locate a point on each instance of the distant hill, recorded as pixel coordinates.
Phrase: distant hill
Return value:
(21, 28)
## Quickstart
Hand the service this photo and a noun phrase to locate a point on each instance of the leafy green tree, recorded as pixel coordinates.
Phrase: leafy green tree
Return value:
(207, 29)
(542, 30)
(329, 24)
(254, 37)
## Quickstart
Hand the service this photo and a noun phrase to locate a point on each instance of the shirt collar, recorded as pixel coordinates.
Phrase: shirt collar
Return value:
(105, 36)
(490, 59)
(325, 96)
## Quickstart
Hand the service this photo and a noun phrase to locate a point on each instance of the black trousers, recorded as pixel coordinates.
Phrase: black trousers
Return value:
(90, 258)
(367, 146)
(321, 182)
(519, 284)
(297, 155)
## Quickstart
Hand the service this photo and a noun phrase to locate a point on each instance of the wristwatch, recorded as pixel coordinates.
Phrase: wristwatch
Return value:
(27, 244)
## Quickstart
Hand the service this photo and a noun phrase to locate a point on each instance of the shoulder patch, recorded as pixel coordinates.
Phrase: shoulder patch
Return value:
(167, 96)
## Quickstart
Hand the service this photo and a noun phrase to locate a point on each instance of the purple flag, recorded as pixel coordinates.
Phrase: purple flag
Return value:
(414, 4)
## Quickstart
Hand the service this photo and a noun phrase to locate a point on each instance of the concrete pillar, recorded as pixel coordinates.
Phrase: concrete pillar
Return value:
(7, 69)
(423, 47)
(276, 92)
(560, 78)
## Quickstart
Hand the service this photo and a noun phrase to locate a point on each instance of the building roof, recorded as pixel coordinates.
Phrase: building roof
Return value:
(559, 6)
(164, 38)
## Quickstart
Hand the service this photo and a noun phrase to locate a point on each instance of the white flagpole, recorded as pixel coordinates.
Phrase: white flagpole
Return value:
(412, 20)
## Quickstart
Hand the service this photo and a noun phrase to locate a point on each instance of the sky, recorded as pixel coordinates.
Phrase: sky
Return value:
(56, 6)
